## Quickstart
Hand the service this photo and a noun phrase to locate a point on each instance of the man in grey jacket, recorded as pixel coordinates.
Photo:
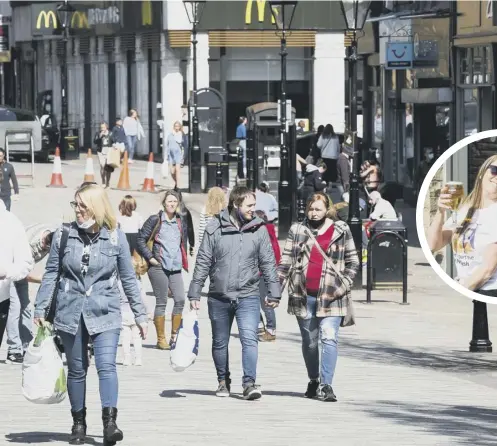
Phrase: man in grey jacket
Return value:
(234, 252)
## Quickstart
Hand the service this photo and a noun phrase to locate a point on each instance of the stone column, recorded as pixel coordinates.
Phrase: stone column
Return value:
(103, 80)
(55, 81)
(172, 85)
(329, 81)
(95, 87)
(121, 79)
(71, 84)
(202, 63)
(78, 89)
(141, 93)
(156, 114)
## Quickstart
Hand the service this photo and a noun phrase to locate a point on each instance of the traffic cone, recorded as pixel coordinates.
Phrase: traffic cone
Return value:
(149, 184)
(57, 171)
(123, 183)
(89, 173)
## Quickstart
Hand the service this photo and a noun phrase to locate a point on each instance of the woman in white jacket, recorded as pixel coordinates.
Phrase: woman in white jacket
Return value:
(16, 260)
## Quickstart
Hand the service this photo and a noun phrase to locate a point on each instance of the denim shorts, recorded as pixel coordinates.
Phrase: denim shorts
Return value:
(175, 157)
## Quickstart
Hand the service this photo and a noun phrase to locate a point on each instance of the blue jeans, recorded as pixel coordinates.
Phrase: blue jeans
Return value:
(243, 145)
(7, 201)
(19, 324)
(76, 349)
(313, 329)
(222, 312)
(131, 141)
(268, 311)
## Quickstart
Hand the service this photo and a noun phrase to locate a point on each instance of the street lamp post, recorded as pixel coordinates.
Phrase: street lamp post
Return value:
(194, 10)
(64, 11)
(282, 13)
(355, 13)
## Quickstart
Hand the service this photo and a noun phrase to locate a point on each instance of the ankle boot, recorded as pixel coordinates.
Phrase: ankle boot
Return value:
(160, 327)
(78, 431)
(176, 323)
(112, 433)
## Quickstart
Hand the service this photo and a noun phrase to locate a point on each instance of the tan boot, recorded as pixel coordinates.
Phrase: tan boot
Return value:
(176, 323)
(160, 327)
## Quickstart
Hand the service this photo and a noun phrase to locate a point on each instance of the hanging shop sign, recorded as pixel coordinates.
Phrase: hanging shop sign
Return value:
(399, 55)
(4, 38)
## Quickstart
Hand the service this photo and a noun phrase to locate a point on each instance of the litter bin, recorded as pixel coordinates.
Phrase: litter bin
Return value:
(387, 258)
(69, 144)
(212, 159)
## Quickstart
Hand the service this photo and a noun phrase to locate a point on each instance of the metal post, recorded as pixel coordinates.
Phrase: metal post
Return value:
(64, 123)
(481, 341)
(219, 174)
(354, 220)
(195, 155)
(284, 192)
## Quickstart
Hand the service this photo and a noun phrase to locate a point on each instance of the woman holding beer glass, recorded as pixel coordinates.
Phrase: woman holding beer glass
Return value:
(471, 229)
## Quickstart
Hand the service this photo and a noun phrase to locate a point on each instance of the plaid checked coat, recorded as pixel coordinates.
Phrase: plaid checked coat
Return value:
(294, 263)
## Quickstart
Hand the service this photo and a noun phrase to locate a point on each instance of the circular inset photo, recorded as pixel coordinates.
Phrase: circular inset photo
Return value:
(456, 216)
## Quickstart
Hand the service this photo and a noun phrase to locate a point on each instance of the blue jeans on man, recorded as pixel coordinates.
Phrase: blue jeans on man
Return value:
(19, 323)
(105, 350)
(313, 329)
(268, 311)
(132, 141)
(222, 312)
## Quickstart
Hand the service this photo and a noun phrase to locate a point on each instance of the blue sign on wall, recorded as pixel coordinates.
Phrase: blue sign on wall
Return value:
(399, 55)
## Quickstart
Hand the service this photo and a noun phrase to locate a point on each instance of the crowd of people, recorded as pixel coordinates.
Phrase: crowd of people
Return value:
(92, 288)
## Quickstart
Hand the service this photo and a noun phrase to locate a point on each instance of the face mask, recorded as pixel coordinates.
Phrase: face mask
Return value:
(314, 224)
(86, 224)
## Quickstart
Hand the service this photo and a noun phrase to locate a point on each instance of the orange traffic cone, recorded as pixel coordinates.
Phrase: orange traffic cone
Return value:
(123, 183)
(89, 173)
(149, 184)
(57, 171)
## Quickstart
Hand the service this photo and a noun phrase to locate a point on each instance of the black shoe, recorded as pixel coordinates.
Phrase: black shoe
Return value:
(312, 389)
(223, 389)
(252, 392)
(326, 393)
(78, 431)
(112, 433)
(14, 358)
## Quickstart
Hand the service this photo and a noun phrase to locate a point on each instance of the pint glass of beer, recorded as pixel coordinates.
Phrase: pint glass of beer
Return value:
(456, 190)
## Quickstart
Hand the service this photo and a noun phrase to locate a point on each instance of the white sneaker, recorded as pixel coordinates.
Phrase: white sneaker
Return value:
(127, 361)
(130, 161)
(138, 362)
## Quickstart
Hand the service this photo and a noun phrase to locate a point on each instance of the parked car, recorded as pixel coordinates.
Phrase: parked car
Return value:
(18, 126)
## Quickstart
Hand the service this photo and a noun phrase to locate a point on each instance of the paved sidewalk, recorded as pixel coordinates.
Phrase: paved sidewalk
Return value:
(404, 377)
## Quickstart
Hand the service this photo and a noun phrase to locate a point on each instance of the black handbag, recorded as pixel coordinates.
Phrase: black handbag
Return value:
(50, 313)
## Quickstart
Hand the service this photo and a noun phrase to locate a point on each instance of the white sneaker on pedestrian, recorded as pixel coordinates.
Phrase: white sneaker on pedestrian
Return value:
(126, 360)
(138, 362)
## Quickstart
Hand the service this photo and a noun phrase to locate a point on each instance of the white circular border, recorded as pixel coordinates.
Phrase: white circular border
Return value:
(420, 215)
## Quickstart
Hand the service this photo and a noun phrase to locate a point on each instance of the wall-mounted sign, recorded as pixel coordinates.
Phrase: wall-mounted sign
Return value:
(4, 39)
(399, 55)
(426, 54)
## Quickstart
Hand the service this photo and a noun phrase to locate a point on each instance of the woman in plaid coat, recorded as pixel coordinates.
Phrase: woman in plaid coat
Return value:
(319, 262)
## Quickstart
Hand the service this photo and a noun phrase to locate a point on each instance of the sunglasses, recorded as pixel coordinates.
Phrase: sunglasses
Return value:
(493, 170)
(75, 205)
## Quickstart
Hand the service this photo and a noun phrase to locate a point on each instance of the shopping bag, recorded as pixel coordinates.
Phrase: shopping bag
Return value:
(43, 373)
(114, 157)
(165, 169)
(184, 350)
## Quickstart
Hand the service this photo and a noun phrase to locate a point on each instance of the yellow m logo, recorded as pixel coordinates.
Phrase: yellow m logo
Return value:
(79, 20)
(146, 12)
(47, 17)
(261, 8)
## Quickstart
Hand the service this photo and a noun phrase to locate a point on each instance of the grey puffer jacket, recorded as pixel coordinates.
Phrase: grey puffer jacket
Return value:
(233, 259)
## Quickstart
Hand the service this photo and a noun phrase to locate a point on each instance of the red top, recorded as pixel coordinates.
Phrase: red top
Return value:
(274, 241)
(313, 277)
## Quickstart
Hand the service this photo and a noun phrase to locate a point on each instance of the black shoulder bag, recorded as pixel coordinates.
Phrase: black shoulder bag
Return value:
(50, 313)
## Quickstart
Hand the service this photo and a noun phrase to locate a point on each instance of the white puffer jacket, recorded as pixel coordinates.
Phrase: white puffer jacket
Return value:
(16, 260)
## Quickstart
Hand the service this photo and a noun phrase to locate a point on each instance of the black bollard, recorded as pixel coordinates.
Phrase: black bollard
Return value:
(239, 153)
(219, 175)
(481, 341)
(300, 209)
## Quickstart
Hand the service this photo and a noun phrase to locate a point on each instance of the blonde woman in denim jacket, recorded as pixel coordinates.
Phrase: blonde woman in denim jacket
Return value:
(88, 303)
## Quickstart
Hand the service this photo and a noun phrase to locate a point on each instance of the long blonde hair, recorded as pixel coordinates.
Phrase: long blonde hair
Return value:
(216, 201)
(474, 200)
(97, 202)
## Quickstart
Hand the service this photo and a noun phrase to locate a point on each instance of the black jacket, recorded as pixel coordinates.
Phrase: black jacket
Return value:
(6, 175)
(343, 171)
(104, 141)
(313, 182)
(146, 232)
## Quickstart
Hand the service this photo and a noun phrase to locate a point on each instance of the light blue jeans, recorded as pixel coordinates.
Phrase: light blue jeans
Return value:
(131, 143)
(105, 349)
(19, 323)
(313, 329)
(243, 145)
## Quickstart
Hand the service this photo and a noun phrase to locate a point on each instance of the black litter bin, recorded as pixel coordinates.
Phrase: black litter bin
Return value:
(387, 257)
(69, 144)
(212, 159)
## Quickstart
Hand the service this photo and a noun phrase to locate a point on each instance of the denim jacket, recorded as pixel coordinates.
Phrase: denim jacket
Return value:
(95, 297)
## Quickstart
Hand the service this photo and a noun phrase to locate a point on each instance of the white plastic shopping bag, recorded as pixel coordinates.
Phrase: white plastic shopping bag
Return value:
(185, 350)
(43, 373)
(165, 169)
